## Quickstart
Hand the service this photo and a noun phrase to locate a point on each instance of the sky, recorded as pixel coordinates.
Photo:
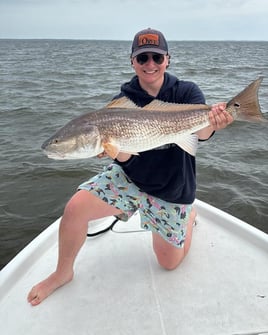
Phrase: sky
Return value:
(121, 19)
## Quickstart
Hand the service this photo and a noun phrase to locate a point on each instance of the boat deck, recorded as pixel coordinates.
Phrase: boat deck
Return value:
(220, 288)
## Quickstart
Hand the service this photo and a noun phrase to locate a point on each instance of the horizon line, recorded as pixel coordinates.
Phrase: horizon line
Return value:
(126, 40)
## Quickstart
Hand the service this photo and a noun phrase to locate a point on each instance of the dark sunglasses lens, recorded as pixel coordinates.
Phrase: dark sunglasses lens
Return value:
(142, 58)
(158, 59)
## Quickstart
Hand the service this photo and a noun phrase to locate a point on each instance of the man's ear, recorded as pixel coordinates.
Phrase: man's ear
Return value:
(168, 60)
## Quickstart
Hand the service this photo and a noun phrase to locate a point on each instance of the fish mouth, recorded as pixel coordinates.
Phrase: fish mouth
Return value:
(54, 155)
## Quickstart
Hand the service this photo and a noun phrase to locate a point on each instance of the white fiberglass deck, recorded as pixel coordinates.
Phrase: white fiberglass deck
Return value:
(220, 288)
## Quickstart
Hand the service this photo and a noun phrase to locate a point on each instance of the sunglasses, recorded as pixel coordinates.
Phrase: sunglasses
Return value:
(143, 58)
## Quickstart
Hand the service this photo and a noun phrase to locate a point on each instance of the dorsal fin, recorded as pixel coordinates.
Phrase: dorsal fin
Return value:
(123, 102)
(158, 105)
(173, 107)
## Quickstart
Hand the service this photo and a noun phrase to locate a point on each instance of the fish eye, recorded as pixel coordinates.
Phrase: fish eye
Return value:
(55, 141)
(236, 104)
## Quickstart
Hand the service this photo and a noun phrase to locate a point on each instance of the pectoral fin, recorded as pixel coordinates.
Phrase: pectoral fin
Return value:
(111, 148)
(188, 143)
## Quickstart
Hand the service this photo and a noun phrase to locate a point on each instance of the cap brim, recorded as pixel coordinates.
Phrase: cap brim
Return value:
(142, 50)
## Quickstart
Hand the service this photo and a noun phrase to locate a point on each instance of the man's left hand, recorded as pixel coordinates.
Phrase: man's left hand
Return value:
(218, 116)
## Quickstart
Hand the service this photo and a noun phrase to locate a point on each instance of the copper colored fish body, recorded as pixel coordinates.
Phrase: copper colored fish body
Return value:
(123, 127)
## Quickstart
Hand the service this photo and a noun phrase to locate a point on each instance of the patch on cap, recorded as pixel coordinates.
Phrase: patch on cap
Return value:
(148, 39)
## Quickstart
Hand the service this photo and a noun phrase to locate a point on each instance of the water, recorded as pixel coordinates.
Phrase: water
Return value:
(45, 83)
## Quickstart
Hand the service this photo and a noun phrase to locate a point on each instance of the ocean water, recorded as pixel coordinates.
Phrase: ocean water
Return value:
(45, 83)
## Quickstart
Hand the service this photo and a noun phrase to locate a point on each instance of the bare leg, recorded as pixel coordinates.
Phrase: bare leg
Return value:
(81, 208)
(169, 256)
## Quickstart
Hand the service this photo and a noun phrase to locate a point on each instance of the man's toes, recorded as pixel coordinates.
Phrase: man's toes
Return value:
(31, 295)
(35, 301)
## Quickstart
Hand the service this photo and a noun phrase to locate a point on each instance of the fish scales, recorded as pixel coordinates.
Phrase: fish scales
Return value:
(138, 130)
(130, 123)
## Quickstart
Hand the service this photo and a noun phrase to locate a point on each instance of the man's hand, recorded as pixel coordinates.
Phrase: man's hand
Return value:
(218, 116)
(102, 154)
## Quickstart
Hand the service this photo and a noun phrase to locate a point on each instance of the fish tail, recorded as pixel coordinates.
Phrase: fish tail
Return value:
(246, 103)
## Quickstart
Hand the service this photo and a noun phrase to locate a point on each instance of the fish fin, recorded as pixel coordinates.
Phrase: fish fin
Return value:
(247, 103)
(173, 107)
(123, 102)
(189, 143)
(111, 148)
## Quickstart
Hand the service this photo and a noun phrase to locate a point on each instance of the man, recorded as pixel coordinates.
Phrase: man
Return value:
(164, 198)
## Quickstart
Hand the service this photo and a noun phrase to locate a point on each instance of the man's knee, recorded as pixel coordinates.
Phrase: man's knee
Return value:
(168, 256)
(169, 264)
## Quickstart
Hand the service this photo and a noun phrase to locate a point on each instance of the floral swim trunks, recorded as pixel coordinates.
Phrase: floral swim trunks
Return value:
(159, 216)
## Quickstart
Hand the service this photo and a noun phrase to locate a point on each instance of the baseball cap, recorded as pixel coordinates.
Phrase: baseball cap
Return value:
(149, 40)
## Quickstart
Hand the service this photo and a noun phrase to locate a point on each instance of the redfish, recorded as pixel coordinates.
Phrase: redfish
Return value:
(121, 126)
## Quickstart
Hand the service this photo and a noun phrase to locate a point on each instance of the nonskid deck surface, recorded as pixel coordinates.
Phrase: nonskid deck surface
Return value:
(220, 288)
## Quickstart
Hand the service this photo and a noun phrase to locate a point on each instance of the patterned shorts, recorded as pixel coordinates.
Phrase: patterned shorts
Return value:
(159, 216)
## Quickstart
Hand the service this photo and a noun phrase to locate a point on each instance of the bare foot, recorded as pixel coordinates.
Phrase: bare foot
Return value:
(43, 289)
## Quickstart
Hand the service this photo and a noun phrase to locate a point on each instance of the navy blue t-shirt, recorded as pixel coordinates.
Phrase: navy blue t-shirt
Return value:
(166, 172)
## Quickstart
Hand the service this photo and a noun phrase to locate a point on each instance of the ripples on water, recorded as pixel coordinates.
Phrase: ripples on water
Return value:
(46, 83)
